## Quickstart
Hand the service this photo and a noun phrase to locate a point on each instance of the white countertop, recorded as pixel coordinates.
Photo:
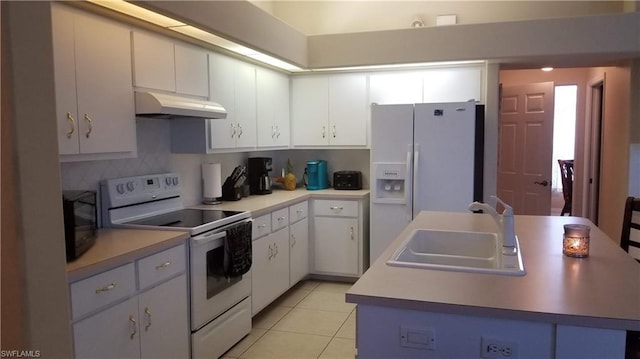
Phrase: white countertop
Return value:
(262, 204)
(602, 290)
(115, 247)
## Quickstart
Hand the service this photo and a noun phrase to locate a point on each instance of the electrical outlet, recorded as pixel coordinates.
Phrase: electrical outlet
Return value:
(418, 338)
(496, 348)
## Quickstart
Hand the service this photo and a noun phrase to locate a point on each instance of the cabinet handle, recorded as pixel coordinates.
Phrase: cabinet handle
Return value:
(233, 130)
(299, 211)
(324, 131)
(239, 133)
(280, 219)
(293, 243)
(147, 314)
(351, 232)
(276, 247)
(105, 289)
(277, 131)
(262, 225)
(134, 327)
(273, 131)
(333, 208)
(270, 252)
(72, 125)
(89, 124)
(334, 131)
(163, 265)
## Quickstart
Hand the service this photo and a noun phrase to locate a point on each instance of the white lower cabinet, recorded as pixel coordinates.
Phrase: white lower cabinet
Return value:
(298, 251)
(340, 241)
(280, 253)
(336, 245)
(109, 322)
(270, 268)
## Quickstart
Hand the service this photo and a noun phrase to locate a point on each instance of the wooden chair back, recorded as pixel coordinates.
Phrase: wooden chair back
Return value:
(630, 239)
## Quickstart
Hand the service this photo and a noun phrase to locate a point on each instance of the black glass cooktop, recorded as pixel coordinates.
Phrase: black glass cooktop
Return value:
(186, 218)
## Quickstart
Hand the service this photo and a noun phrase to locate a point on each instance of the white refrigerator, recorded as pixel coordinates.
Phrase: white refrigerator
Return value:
(424, 157)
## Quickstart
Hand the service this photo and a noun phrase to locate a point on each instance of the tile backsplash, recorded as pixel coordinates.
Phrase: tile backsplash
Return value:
(154, 156)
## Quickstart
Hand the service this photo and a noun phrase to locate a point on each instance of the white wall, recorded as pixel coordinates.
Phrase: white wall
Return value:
(332, 17)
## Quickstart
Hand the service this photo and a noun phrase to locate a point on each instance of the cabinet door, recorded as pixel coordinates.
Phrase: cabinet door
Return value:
(335, 242)
(192, 71)
(222, 90)
(299, 251)
(452, 85)
(65, 80)
(348, 110)
(272, 105)
(245, 92)
(103, 78)
(309, 110)
(153, 62)
(164, 326)
(113, 333)
(270, 269)
(395, 88)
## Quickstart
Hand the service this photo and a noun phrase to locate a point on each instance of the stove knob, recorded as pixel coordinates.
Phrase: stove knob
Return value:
(175, 181)
(120, 188)
(167, 180)
(130, 186)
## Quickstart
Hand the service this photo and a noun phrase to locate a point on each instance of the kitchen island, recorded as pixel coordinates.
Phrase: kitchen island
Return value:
(563, 307)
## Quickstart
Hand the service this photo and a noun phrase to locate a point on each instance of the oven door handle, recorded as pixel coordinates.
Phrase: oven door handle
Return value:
(206, 238)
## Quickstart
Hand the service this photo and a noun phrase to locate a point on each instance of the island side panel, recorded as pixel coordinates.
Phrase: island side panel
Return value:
(379, 331)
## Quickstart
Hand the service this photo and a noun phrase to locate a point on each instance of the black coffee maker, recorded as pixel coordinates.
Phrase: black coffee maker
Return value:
(258, 169)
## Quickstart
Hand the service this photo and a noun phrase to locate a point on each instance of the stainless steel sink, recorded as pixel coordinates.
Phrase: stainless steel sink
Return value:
(476, 252)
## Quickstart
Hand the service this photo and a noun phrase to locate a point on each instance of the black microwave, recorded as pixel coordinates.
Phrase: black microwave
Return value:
(80, 221)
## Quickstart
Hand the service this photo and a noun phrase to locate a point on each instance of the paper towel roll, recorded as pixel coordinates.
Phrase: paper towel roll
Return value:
(211, 182)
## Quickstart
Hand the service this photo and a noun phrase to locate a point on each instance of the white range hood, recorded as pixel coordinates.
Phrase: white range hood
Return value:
(159, 105)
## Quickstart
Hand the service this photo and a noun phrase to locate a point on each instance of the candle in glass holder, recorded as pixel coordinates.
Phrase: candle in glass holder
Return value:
(576, 240)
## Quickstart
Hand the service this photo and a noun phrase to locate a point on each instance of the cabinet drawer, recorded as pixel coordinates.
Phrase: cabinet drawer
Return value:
(102, 289)
(298, 211)
(340, 208)
(261, 226)
(279, 219)
(161, 266)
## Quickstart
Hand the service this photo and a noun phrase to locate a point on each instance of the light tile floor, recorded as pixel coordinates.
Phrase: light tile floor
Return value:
(311, 320)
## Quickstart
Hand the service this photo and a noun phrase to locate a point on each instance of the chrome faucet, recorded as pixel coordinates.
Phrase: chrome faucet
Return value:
(504, 223)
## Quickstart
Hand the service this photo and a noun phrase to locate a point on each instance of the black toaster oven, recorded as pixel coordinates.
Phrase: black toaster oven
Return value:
(344, 180)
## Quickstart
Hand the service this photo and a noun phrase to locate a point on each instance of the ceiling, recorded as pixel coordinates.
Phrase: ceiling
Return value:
(336, 17)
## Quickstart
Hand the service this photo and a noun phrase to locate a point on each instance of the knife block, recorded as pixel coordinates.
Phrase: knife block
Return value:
(230, 192)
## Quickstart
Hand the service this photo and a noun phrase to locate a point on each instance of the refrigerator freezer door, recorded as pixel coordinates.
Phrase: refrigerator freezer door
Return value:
(444, 139)
(391, 141)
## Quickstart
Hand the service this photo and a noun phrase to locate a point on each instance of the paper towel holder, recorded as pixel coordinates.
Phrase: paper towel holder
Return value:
(211, 183)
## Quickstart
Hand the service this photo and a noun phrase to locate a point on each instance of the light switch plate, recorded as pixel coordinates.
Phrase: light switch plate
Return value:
(419, 338)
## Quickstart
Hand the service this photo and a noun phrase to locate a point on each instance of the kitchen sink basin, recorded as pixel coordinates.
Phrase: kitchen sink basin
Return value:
(476, 252)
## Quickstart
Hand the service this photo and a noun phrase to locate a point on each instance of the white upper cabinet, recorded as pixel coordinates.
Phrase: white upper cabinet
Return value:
(160, 63)
(233, 85)
(192, 70)
(272, 104)
(310, 110)
(395, 88)
(452, 85)
(153, 62)
(330, 110)
(348, 110)
(94, 96)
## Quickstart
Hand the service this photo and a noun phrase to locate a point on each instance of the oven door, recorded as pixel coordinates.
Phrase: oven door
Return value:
(212, 293)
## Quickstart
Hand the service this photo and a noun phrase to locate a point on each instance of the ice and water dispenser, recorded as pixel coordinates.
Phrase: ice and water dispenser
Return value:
(390, 182)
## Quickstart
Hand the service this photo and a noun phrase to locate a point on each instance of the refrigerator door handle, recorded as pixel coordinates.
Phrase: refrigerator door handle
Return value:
(416, 162)
(407, 186)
